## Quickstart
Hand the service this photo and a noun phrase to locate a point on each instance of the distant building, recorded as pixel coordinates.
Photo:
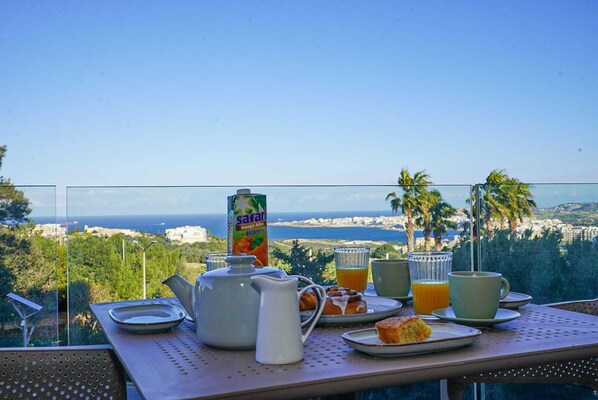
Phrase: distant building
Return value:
(585, 232)
(187, 234)
(567, 231)
(52, 231)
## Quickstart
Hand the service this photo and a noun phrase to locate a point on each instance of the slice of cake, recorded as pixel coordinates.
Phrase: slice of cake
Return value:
(403, 329)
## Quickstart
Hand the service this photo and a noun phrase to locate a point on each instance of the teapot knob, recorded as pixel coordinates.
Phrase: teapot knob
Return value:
(240, 261)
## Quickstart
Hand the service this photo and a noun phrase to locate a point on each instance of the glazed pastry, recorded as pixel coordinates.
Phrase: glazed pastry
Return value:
(339, 301)
(340, 306)
(403, 329)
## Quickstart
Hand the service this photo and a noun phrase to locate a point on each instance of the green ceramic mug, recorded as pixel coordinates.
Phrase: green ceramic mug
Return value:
(476, 294)
(391, 277)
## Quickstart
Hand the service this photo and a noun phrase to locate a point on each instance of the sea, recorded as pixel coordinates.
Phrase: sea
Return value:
(216, 224)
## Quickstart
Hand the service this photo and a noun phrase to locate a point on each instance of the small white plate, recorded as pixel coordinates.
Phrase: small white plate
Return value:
(515, 300)
(444, 337)
(378, 308)
(147, 318)
(372, 292)
(502, 315)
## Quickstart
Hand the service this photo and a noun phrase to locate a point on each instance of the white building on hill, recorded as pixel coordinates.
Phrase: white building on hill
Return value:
(187, 234)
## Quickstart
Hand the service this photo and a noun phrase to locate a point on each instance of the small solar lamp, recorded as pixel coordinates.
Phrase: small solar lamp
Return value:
(25, 309)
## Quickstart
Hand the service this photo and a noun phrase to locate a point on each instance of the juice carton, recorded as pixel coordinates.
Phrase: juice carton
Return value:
(247, 225)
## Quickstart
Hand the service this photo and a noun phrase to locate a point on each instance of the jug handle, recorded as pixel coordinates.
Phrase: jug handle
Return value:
(320, 297)
(313, 319)
(308, 281)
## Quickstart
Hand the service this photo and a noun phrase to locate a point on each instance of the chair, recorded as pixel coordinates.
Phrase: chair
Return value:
(61, 373)
(579, 371)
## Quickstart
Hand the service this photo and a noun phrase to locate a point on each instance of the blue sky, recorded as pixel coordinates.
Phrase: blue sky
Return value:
(297, 92)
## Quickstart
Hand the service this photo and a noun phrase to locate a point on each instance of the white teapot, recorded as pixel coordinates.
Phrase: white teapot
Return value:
(224, 303)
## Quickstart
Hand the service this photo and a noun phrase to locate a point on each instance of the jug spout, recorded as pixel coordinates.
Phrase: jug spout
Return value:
(183, 290)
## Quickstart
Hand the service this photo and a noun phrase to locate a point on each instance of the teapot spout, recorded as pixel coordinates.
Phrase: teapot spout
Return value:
(183, 290)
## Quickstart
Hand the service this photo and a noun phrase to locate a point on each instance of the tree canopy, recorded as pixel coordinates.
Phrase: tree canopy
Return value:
(302, 262)
(14, 206)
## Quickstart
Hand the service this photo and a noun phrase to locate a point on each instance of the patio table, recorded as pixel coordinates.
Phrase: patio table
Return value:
(176, 365)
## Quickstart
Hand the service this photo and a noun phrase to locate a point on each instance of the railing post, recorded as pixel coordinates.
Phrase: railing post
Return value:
(478, 244)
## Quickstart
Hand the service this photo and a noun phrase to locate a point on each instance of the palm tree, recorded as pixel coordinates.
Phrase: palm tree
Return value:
(491, 204)
(440, 214)
(505, 200)
(426, 201)
(408, 202)
(518, 202)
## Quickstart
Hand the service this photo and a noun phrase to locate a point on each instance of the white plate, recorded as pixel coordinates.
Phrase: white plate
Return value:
(444, 337)
(372, 292)
(147, 318)
(378, 308)
(515, 300)
(502, 315)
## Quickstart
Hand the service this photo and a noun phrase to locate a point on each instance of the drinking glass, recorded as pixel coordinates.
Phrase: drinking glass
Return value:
(352, 262)
(429, 279)
(216, 260)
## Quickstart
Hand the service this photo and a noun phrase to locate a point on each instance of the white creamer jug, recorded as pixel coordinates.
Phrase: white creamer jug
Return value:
(279, 332)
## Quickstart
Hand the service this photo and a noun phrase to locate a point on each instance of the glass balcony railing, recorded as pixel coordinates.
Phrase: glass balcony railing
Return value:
(115, 224)
(31, 248)
(542, 237)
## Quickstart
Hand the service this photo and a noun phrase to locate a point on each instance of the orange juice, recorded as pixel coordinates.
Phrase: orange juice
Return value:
(355, 278)
(429, 295)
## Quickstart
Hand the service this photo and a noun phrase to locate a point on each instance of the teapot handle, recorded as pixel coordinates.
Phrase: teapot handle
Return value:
(313, 319)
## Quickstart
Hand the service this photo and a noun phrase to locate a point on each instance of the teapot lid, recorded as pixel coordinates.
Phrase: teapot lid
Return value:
(240, 265)
(242, 261)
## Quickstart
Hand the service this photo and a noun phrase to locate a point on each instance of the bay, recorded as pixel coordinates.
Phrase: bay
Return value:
(216, 224)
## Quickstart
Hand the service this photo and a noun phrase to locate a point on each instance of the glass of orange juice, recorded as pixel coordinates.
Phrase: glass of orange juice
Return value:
(429, 279)
(352, 263)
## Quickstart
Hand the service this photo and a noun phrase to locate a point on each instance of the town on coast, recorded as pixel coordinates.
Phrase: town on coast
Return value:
(196, 233)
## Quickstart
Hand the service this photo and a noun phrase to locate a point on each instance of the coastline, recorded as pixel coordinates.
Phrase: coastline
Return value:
(321, 225)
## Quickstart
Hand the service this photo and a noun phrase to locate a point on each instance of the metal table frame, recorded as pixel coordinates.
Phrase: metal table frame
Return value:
(175, 365)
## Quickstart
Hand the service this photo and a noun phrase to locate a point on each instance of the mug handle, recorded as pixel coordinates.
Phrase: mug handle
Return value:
(311, 321)
(504, 288)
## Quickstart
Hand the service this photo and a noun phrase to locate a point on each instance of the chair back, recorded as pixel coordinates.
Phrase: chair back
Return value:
(61, 372)
(581, 306)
